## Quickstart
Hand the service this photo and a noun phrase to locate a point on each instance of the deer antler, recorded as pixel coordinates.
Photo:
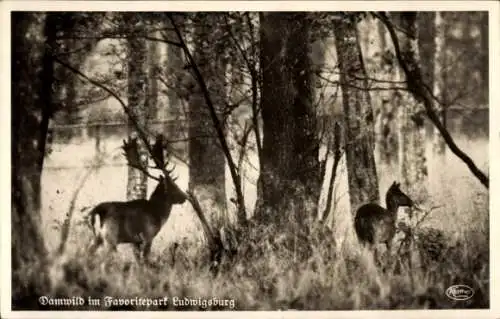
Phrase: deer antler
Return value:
(157, 152)
(159, 155)
(131, 152)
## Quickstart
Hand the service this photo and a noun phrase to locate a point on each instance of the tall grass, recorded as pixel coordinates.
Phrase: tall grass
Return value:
(278, 267)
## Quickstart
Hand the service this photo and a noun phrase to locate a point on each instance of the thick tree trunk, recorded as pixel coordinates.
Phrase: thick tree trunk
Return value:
(289, 182)
(439, 87)
(32, 78)
(137, 104)
(413, 166)
(207, 162)
(358, 113)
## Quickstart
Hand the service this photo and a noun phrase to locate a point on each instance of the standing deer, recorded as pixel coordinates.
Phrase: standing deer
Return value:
(136, 222)
(374, 224)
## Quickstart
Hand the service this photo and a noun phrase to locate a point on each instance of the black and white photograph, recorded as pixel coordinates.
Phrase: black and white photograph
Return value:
(231, 158)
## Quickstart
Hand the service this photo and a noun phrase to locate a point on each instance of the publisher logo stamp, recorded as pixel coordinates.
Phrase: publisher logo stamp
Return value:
(459, 292)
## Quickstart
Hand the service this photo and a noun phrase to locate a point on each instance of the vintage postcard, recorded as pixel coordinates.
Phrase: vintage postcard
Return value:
(269, 158)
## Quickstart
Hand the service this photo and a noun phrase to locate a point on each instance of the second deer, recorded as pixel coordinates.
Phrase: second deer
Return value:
(375, 224)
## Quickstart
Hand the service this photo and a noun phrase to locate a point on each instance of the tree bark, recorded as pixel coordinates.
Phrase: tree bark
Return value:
(413, 166)
(138, 103)
(32, 78)
(175, 72)
(207, 162)
(153, 70)
(69, 86)
(439, 83)
(386, 133)
(485, 56)
(289, 182)
(358, 116)
(426, 44)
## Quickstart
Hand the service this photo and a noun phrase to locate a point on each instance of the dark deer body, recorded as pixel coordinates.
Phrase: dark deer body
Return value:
(134, 222)
(374, 224)
(138, 221)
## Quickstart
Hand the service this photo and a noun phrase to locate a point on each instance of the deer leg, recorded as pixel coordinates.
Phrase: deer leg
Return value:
(109, 235)
(388, 244)
(137, 251)
(146, 250)
(110, 247)
(96, 243)
(375, 254)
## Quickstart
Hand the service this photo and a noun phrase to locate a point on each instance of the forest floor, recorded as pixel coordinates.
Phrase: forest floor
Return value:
(278, 270)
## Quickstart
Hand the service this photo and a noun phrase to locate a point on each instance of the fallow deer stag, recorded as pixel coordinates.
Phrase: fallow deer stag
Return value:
(137, 222)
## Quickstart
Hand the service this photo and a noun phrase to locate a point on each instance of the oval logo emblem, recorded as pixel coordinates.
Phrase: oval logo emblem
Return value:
(459, 292)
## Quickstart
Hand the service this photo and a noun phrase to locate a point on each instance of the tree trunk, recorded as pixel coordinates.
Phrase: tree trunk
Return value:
(358, 116)
(175, 72)
(289, 182)
(153, 69)
(386, 134)
(73, 51)
(137, 103)
(426, 44)
(207, 162)
(485, 55)
(32, 78)
(413, 166)
(70, 80)
(439, 87)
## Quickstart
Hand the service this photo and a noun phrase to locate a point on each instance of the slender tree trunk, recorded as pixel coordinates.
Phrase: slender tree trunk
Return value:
(32, 78)
(70, 80)
(426, 44)
(413, 166)
(207, 170)
(153, 69)
(337, 156)
(290, 181)
(358, 114)
(137, 103)
(439, 87)
(236, 95)
(73, 51)
(485, 56)
(386, 134)
(176, 73)
(380, 111)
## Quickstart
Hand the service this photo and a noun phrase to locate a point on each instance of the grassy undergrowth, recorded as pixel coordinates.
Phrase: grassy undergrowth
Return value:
(273, 270)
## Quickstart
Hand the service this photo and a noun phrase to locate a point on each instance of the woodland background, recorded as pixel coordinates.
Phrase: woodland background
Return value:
(280, 124)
